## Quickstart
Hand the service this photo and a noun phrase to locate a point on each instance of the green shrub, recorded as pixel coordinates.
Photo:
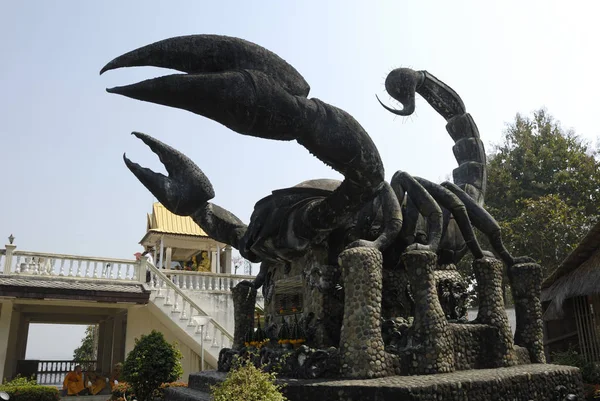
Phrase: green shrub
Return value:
(246, 382)
(152, 361)
(31, 393)
(19, 381)
(590, 372)
(121, 391)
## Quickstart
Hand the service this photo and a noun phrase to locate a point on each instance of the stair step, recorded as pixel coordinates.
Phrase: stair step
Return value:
(185, 394)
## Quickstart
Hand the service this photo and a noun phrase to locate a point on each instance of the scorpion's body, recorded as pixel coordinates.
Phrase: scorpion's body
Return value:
(254, 92)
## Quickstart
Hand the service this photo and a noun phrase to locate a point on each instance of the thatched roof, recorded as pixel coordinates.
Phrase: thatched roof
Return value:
(578, 274)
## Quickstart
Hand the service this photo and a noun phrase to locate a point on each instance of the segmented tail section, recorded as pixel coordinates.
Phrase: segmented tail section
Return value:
(471, 174)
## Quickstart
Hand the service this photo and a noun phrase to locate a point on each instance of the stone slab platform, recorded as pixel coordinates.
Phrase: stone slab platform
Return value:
(519, 383)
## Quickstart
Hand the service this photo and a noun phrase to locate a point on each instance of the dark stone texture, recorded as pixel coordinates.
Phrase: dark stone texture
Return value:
(526, 284)
(244, 301)
(518, 383)
(430, 345)
(361, 344)
(186, 394)
(452, 293)
(489, 273)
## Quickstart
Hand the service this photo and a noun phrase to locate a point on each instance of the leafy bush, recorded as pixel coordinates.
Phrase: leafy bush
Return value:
(590, 372)
(24, 389)
(19, 381)
(121, 391)
(246, 382)
(152, 361)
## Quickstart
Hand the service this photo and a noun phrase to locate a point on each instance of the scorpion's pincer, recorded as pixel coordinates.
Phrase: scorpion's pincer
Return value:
(184, 190)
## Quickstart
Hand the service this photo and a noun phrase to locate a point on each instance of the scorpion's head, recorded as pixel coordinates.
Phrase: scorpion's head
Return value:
(402, 84)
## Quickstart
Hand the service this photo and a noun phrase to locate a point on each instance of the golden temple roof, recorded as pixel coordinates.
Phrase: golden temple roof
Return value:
(161, 220)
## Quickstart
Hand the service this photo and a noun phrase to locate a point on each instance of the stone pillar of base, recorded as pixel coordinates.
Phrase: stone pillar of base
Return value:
(430, 335)
(361, 345)
(244, 301)
(526, 285)
(489, 274)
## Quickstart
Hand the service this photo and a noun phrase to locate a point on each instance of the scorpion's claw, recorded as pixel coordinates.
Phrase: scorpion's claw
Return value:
(184, 190)
(202, 59)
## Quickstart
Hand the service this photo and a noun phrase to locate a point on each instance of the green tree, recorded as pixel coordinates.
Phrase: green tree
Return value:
(152, 361)
(86, 351)
(543, 188)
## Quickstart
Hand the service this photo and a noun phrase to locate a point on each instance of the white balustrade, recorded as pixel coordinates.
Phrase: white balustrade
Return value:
(68, 266)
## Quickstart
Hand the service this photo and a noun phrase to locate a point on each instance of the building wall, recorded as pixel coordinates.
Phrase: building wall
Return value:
(561, 334)
(140, 320)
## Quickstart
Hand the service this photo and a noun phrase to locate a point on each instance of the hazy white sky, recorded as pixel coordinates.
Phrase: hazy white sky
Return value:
(40, 344)
(66, 189)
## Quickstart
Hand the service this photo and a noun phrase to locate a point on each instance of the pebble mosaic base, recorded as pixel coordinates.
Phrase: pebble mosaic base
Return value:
(489, 273)
(361, 344)
(429, 337)
(526, 283)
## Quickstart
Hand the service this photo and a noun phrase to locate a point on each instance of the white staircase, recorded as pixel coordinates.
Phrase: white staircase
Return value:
(174, 300)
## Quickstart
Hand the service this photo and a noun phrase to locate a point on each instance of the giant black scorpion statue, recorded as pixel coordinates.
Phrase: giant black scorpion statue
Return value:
(254, 92)
(352, 232)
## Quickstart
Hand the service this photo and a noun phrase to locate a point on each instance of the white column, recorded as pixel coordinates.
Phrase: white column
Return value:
(213, 260)
(169, 255)
(6, 313)
(8, 258)
(162, 247)
(228, 259)
(107, 342)
(218, 266)
(155, 258)
(118, 341)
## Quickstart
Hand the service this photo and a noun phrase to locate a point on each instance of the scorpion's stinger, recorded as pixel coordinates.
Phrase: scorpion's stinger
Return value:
(185, 190)
(402, 84)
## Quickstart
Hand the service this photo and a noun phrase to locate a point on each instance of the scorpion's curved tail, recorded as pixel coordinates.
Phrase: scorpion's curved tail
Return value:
(471, 174)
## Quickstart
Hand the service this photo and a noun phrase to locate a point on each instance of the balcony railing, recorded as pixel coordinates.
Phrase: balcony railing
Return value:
(38, 264)
(81, 267)
(202, 281)
(52, 373)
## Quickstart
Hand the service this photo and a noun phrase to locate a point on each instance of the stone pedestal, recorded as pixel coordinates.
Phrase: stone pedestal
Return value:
(244, 300)
(489, 273)
(361, 345)
(429, 337)
(526, 284)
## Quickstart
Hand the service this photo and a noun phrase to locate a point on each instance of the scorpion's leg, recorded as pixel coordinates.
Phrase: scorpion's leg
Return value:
(254, 92)
(403, 183)
(484, 222)
(388, 203)
(455, 205)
